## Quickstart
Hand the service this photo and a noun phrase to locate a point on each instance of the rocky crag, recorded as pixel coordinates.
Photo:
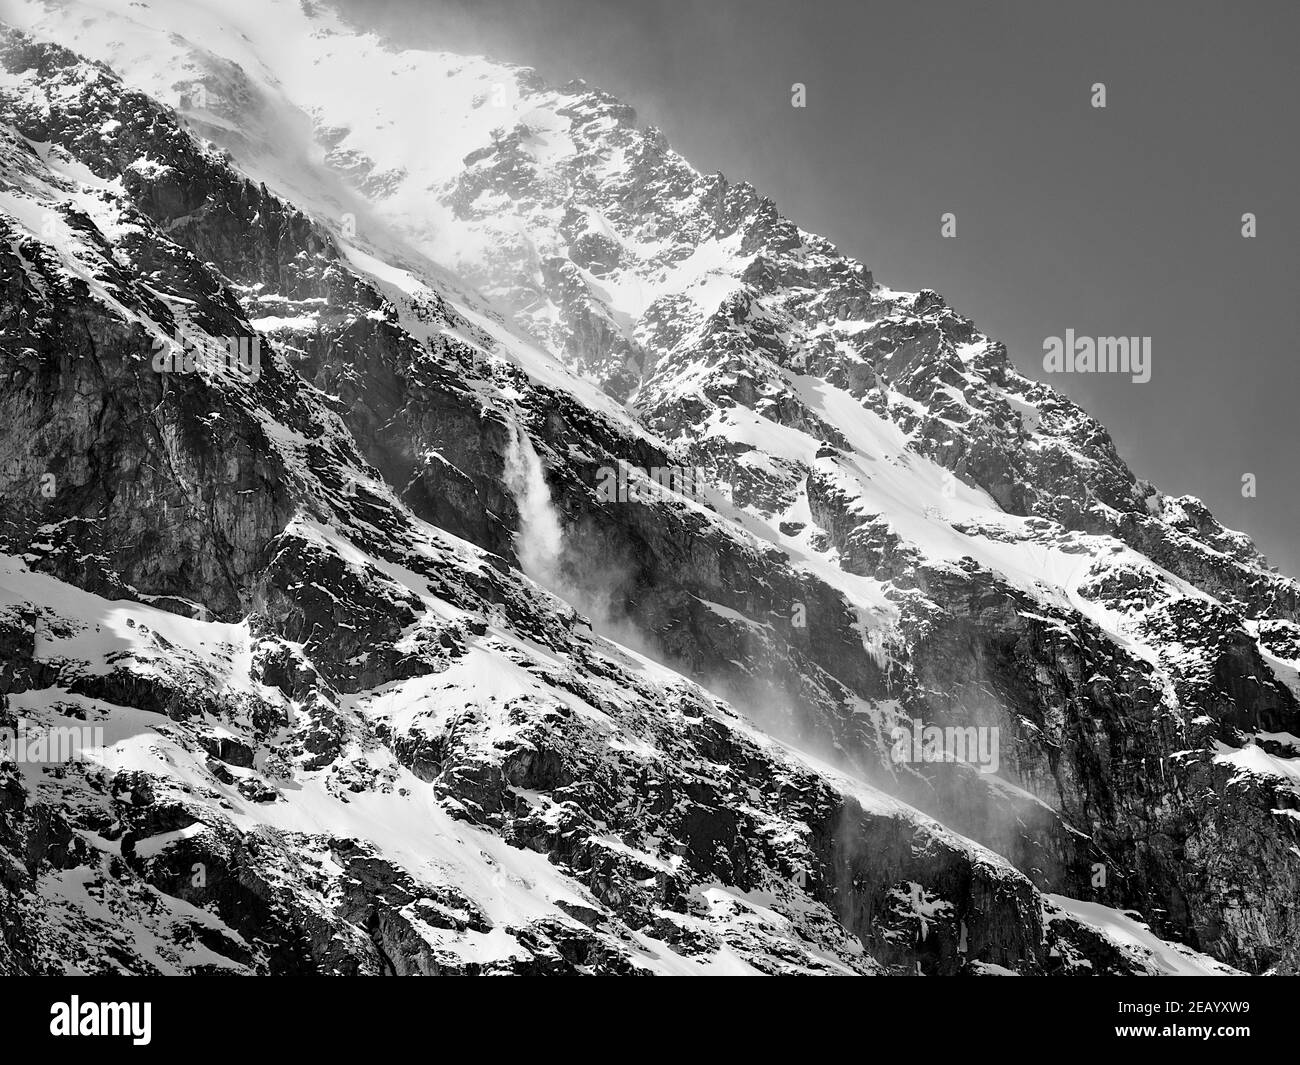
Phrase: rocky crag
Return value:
(401, 661)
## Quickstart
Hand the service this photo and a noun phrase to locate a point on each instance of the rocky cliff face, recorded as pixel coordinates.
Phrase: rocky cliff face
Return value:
(409, 657)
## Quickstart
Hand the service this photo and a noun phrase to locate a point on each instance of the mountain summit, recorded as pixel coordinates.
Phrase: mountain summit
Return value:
(471, 540)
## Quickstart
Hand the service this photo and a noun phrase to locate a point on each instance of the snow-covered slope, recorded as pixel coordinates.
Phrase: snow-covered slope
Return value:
(477, 295)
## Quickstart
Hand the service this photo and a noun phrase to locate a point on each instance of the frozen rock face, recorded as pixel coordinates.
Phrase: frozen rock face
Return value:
(327, 605)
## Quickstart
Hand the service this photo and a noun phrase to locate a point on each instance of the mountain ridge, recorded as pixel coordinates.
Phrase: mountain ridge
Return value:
(1136, 653)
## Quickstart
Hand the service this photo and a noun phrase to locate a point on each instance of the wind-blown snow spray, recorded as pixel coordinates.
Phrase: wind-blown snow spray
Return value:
(539, 536)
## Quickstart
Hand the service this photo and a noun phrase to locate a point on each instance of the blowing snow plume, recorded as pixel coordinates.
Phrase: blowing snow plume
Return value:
(539, 535)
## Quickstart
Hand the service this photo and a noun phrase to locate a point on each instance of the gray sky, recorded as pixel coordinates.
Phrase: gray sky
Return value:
(1122, 221)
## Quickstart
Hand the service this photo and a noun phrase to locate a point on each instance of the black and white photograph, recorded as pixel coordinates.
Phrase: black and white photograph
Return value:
(650, 488)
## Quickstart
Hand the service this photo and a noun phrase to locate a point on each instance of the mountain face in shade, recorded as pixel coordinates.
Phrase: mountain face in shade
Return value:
(477, 542)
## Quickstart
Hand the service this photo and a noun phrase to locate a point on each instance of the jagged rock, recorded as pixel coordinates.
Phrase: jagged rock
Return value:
(350, 730)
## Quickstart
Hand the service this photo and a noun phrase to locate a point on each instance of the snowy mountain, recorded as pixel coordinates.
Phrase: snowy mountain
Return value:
(487, 544)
